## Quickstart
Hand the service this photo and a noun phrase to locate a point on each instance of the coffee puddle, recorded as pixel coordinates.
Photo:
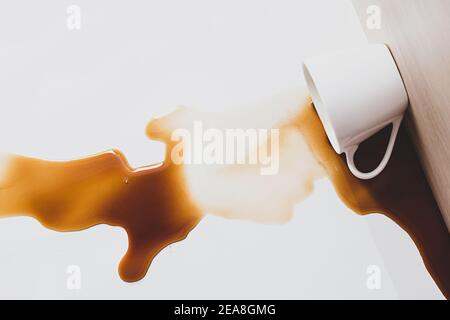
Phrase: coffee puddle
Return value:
(240, 191)
(400, 192)
(158, 205)
(150, 203)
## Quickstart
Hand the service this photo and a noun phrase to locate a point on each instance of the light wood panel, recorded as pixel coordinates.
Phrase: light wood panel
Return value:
(418, 34)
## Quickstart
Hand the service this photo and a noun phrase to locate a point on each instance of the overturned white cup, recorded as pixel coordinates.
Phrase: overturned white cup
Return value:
(356, 93)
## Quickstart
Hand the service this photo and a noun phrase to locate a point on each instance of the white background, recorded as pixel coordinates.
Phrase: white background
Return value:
(66, 94)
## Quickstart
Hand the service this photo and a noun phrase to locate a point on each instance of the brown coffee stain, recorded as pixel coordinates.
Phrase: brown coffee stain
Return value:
(150, 203)
(401, 191)
(160, 204)
(239, 191)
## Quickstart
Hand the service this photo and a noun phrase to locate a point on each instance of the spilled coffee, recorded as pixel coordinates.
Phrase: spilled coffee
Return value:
(401, 191)
(160, 204)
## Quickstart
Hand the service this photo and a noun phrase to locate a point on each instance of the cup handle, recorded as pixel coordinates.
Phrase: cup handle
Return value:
(350, 153)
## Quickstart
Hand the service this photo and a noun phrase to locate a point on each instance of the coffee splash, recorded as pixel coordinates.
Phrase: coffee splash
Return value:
(240, 191)
(160, 204)
(401, 191)
(150, 203)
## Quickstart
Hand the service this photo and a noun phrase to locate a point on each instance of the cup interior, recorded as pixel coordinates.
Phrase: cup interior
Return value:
(321, 109)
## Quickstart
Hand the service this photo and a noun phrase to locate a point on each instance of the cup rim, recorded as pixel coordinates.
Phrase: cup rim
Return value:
(321, 109)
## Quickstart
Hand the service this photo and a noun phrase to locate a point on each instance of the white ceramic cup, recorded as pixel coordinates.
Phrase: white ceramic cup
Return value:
(356, 93)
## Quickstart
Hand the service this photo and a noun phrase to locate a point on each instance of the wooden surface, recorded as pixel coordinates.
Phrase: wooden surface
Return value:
(418, 34)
